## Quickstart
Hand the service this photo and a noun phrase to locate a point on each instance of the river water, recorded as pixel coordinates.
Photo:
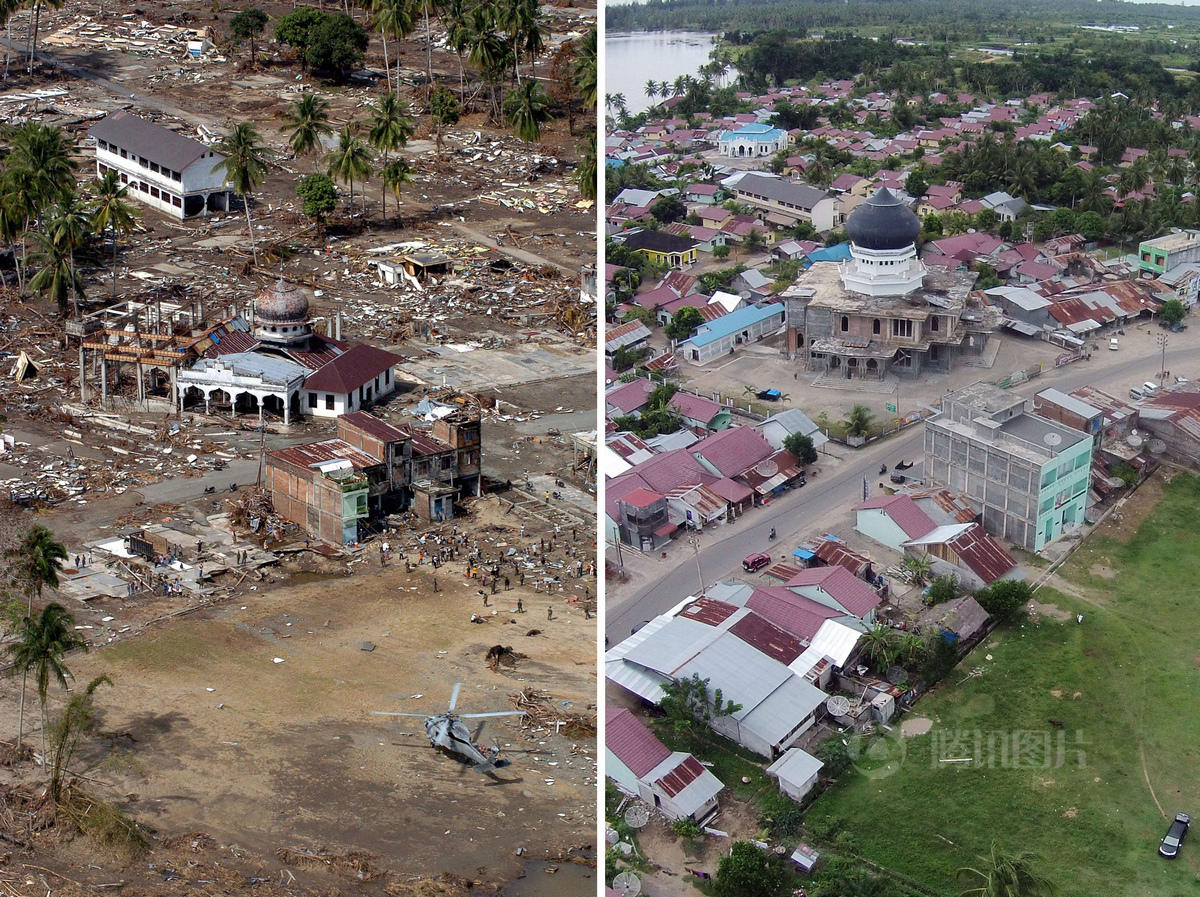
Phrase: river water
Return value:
(633, 58)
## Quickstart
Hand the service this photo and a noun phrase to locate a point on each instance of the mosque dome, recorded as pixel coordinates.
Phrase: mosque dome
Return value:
(883, 222)
(283, 303)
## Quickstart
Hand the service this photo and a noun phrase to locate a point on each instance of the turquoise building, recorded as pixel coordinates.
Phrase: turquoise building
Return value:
(1029, 474)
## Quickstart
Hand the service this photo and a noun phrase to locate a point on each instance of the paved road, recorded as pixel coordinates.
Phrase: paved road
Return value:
(798, 509)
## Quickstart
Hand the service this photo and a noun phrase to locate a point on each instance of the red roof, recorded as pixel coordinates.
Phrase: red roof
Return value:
(982, 554)
(641, 498)
(695, 407)
(836, 553)
(632, 743)
(681, 776)
(730, 490)
(373, 426)
(733, 451)
(794, 613)
(903, 511)
(422, 443)
(768, 638)
(353, 368)
(708, 611)
(841, 585)
(313, 453)
(629, 396)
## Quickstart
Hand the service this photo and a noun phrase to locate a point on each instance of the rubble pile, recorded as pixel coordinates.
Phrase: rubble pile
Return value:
(129, 33)
(542, 713)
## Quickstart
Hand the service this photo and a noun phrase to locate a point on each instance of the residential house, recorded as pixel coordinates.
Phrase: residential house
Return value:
(673, 782)
(785, 203)
(631, 335)
(795, 772)
(662, 248)
(722, 336)
(752, 140)
(778, 427)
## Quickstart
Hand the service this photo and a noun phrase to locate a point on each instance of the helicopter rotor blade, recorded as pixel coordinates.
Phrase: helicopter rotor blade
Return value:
(499, 713)
(454, 694)
(390, 713)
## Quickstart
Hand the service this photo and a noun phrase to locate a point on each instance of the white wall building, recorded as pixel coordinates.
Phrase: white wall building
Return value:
(165, 170)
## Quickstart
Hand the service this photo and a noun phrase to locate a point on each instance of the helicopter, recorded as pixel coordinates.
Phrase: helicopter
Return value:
(447, 731)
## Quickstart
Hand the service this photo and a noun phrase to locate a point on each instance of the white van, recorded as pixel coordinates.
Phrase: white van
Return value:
(1113, 344)
(1149, 387)
(1136, 394)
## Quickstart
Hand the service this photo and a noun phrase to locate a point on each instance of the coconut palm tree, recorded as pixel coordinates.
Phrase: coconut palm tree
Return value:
(585, 175)
(56, 277)
(7, 9)
(307, 122)
(488, 51)
(69, 224)
(456, 16)
(111, 212)
(41, 644)
(35, 13)
(879, 646)
(351, 160)
(18, 205)
(396, 175)
(1006, 875)
(245, 168)
(585, 68)
(45, 152)
(390, 129)
(526, 110)
(858, 421)
(39, 558)
(392, 19)
(427, 9)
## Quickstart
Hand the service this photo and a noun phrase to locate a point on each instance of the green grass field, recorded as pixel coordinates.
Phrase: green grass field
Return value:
(1125, 685)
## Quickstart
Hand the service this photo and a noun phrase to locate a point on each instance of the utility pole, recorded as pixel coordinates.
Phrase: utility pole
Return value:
(694, 541)
(1161, 339)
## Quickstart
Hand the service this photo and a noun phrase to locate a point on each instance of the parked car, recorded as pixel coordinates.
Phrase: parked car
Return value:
(1173, 840)
(1113, 344)
(1136, 394)
(757, 561)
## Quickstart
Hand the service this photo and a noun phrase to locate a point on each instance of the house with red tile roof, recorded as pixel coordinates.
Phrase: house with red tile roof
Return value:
(838, 588)
(732, 452)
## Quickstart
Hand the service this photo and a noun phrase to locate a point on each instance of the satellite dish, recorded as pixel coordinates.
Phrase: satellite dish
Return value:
(637, 815)
(838, 705)
(1052, 439)
(611, 836)
(766, 468)
(627, 884)
(1133, 440)
(1157, 446)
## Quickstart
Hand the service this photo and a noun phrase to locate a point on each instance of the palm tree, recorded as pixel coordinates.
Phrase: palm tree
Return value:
(858, 421)
(69, 225)
(245, 168)
(585, 67)
(392, 18)
(307, 122)
(56, 277)
(39, 558)
(651, 88)
(391, 128)
(350, 160)
(45, 152)
(18, 205)
(913, 647)
(456, 16)
(586, 173)
(1006, 875)
(428, 8)
(7, 9)
(396, 175)
(488, 51)
(36, 14)
(919, 568)
(879, 646)
(40, 646)
(526, 109)
(112, 213)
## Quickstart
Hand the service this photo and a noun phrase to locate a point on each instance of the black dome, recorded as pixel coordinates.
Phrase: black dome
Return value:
(883, 222)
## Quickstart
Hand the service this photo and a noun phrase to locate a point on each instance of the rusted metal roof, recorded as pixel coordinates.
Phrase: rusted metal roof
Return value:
(983, 554)
(632, 743)
(765, 636)
(709, 611)
(681, 776)
(373, 426)
(312, 453)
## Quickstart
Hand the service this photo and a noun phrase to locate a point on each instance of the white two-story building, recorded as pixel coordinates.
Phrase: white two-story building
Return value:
(167, 171)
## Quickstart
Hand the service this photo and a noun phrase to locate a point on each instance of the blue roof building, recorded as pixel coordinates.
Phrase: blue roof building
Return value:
(723, 335)
(752, 140)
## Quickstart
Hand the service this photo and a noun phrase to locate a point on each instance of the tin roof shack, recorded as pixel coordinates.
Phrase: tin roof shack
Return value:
(676, 783)
(324, 487)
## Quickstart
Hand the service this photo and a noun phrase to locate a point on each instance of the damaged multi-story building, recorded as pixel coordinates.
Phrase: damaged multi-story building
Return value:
(334, 488)
(882, 311)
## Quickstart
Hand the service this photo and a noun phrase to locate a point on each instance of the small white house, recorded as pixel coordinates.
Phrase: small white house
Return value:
(162, 169)
(352, 381)
(640, 765)
(796, 772)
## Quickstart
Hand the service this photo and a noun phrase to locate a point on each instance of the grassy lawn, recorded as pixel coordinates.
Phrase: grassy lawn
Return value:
(1124, 685)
